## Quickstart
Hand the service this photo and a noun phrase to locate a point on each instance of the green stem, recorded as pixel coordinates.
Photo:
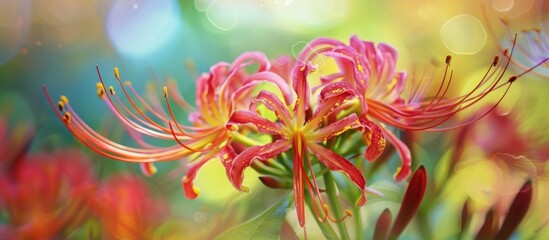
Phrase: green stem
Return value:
(267, 170)
(358, 223)
(325, 227)
(245, 139)
(332, 197)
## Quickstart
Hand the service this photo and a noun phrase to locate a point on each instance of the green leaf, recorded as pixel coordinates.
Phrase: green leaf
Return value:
(265, 226)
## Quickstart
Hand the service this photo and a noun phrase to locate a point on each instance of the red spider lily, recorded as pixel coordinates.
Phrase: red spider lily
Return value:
(125, 208)
(370, 69)
(219, 93)
(302, 131)
(46, 194)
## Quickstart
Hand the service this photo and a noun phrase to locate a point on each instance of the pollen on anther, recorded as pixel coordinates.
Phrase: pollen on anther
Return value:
(100, 90)
(61, 105)
(64, 99)
(111, 89)
(100, 93)
(165, 92)
(348, 212)
(67, 118)
(116, 74)
(448, 59)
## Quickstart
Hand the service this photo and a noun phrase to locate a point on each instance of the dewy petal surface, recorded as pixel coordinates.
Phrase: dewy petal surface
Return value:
(245, 158)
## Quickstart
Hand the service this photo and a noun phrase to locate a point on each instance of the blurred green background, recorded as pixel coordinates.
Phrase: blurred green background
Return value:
(59, 43)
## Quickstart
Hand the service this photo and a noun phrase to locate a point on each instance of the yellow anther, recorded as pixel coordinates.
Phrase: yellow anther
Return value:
(225, 156)
(128, 83)
(348, 212)
(116, 74)
(100, 90)
(61, 105)
(67, 118)
(100, 93)
(64, 99)
(448, 59)
(165, 92)
(111, 89)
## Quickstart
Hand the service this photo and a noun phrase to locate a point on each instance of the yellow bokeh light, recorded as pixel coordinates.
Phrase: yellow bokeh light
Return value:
(463, 34)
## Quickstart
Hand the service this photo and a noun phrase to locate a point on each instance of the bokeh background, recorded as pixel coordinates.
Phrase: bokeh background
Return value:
(59, 42)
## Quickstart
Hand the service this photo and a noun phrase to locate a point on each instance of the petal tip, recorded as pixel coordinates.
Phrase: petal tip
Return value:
(361, 201)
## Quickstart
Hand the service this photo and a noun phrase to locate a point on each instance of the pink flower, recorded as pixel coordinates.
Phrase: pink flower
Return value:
(370, 70)
(226, 88)
(303, 130)
(220, 92)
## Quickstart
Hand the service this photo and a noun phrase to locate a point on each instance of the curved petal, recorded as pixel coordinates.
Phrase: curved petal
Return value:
(299, 77)
(246, 157)
(263, 125)
(317, 46)
(258, 57)
(274, 104)
(337, 163)
(404, 152)
(374, 138)
(331, 97)
(337, 128)
(192, 192)
(225, 154)
(352, 67)
(148, 168)
(262, 77)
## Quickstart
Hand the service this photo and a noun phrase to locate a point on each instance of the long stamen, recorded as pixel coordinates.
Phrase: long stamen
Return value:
(132, 102)
(123, 118)
(179, 100)
(106, 147)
